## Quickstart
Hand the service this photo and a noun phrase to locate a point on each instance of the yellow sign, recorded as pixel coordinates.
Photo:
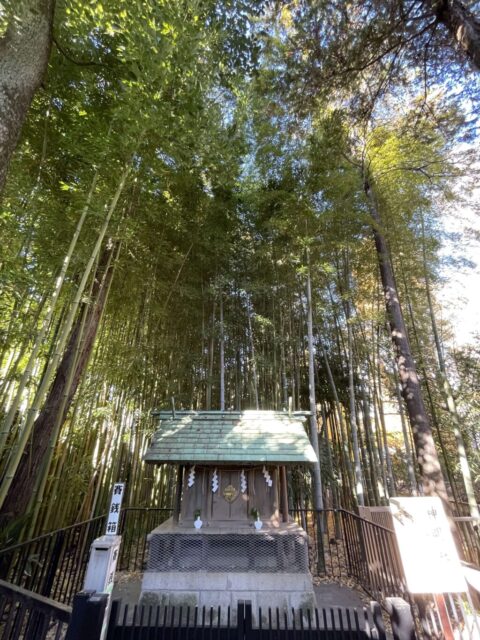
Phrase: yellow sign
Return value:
(230, 493)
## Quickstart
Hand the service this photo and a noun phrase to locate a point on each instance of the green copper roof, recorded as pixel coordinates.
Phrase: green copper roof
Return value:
(219, 437)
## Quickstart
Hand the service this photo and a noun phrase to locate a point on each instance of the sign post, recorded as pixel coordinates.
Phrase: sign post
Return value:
(114, 510)
(104, 554)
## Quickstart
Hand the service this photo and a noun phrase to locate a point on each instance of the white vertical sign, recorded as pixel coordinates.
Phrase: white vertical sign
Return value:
(429, 556)
(114, 509)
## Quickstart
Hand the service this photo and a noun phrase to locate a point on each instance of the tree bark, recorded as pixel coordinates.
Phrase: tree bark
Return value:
(462, 24)
(30, 466)
(425, 449)
(24, 53)
(408, 453)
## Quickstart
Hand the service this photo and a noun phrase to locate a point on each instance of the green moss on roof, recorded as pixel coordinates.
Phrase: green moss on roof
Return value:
(220, 437)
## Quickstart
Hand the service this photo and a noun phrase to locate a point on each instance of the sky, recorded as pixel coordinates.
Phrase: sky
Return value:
(459, 294)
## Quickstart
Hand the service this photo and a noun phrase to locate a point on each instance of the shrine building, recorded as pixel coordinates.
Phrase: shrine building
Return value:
(231, 537)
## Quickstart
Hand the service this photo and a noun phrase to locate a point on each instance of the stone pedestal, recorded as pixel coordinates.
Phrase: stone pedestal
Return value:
(221, 564)
(204, 588)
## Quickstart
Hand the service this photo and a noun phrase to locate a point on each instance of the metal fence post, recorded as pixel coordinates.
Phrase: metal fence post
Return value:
(240, 619)
(403, 626)
(88, 615)
(244, 619)
(376, 610)
(115, 607)
(320, 544)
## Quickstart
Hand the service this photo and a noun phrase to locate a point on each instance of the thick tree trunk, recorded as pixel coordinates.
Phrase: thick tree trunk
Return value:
(425, 449)
(24, 54)
(408, 453)
(76, 355)
(462, 24)
(431, 404)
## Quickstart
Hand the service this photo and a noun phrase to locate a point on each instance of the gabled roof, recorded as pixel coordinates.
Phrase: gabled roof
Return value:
(221, 437)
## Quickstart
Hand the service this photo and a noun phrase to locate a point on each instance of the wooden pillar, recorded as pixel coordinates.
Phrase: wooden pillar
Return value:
(178, 494)
(284, 493)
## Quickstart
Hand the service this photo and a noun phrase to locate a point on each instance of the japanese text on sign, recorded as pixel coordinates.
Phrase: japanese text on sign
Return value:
(114, 509)
(429, 556)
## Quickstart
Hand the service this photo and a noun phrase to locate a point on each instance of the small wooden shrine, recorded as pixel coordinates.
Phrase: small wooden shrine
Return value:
(230, 534)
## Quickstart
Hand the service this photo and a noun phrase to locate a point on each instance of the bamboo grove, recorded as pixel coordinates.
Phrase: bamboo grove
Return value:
(190, 216)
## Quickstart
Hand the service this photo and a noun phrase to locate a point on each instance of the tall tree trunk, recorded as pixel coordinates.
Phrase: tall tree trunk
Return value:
(208, 399)
(76, 372)
(317, 476)
(406, 440)
(222, 356)
(339, 411)
(283, 364)
(448, 394)
(425, 449)
(462, 24)
(431, 403)
(42, 332)
(59, 399)
(55, 357)
(374, 461)
(24, 54)
(252, 353)
(359, 490)
(383, 436)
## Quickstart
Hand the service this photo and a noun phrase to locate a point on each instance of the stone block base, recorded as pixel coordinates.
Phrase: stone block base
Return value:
(202, 588)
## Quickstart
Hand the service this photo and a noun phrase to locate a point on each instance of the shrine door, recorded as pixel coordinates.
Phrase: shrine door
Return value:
(229, 503)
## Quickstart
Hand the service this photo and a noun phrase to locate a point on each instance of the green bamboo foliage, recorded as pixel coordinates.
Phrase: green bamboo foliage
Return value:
(212, 182)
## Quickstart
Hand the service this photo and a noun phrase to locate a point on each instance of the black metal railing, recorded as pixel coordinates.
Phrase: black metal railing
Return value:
(342, 545)
(26, 615)
(135, 525)
(54, 564)
(334, 623)
(467, 528)
(368, 552)
(469, 536)
(460, 508)
(353, 547)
